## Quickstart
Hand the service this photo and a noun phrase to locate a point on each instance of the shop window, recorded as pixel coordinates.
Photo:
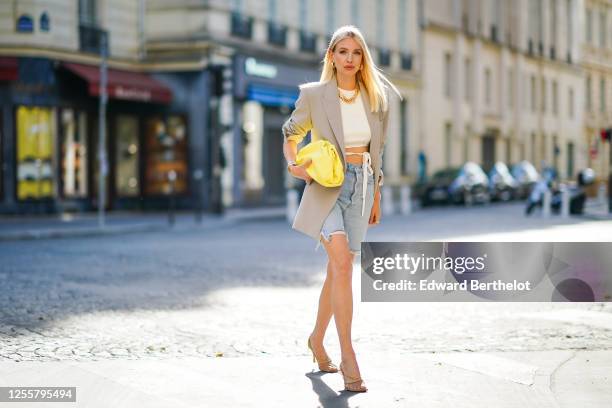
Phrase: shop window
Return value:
(126, 156)
(25, 24)
(44, 22)
(35, 141)
(74, 155)
(1, 162)
(166, 155)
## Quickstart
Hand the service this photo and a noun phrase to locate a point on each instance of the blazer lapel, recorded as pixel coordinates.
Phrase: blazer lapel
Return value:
(331, 104)
(375, 130)
(372, 121)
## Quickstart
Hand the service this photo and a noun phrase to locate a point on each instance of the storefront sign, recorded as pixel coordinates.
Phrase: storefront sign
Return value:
(277, 77)
(120, 92)
(252, 67)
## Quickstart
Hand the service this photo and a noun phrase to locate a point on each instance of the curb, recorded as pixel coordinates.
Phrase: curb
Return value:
(76, 232)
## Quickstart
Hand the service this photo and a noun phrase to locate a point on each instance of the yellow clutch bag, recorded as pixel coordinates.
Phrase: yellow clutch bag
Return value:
(326, 167)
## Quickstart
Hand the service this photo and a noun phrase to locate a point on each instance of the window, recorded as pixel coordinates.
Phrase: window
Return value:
(602, 95)
(468, 82)
(127, 150)
(589, 92)
(602, 29)
(1, 164)
(532, 24)
(540, 20)
(525, 88)
(272, 11)
(533, 149)
(35, 152)
(488, 86)
(166, 142)
(74, 153)
(404, 137)
(553, 25)
(380, 17)
(555, 96)
(589, 26)
(571, 103)
(87, 12)
(570, 28)
(331, 16)
(570, 160)
(303, 10)
(447, 74)
(508, 150)
(466, 143)
(510, 88)
(495, 14)
(543, 95)
(533, 93)
(402, 30)
(355, 12)
(448, 130)
(238, 5)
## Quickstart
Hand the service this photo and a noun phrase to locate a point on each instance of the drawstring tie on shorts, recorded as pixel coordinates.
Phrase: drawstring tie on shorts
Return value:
(366, 167)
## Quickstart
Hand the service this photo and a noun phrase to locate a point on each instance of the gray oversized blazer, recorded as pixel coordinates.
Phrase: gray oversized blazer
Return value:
(317, 110)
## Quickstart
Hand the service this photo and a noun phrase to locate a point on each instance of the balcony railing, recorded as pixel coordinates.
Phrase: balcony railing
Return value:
(384, 57)
(494, 33)
(277, 34)
(308, 41)
(406, 59)
(553, 53)
(92, 39)
(242, 26)
(530, 47)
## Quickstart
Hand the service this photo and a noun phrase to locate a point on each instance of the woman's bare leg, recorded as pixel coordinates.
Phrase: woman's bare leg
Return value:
(341, 261)
(324, 315)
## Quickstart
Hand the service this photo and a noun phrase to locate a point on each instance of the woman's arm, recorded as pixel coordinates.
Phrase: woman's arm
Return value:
(294, 130)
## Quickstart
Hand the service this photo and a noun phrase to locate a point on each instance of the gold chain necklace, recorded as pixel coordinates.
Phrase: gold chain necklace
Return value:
(348, 100)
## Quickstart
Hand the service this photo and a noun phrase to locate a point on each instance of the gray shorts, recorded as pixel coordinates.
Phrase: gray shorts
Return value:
(346, 216)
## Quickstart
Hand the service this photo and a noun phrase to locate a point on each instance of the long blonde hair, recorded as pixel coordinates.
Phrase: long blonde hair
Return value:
(370, 76)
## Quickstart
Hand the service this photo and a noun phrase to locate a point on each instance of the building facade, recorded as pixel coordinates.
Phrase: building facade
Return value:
(50, 86)
(502, 82)
(198, 92)
(596, 60)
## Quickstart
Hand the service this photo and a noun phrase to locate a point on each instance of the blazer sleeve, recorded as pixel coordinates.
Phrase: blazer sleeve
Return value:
(300, 122)
(381, 176)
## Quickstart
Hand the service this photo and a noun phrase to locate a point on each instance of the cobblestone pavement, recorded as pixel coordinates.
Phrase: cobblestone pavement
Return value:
(252, 289)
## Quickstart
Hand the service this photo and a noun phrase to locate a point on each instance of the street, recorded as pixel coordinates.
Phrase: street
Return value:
(250, 290)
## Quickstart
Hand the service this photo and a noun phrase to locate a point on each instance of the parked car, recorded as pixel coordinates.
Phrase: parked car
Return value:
(526, 176)
(502, 186)
(457, 185)
(435, 190)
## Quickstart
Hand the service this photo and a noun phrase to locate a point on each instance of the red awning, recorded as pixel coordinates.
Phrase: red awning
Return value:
(126, 85)
(9, 69)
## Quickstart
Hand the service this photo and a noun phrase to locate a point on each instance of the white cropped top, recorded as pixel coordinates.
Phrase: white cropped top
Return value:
(354, 121)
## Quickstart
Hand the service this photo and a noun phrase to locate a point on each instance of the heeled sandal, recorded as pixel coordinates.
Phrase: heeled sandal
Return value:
(326, 366)
(351, 385)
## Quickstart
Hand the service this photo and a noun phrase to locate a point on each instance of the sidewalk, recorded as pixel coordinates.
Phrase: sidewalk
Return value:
(597, 209)
(556, 379)
(86, 224)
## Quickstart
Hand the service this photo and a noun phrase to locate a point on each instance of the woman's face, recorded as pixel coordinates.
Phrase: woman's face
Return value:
(347, 56)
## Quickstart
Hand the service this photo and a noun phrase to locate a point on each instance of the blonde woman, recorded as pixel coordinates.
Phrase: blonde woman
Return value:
(349, 108)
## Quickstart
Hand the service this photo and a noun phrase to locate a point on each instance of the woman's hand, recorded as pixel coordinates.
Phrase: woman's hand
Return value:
(299, 171)
(375, 213)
